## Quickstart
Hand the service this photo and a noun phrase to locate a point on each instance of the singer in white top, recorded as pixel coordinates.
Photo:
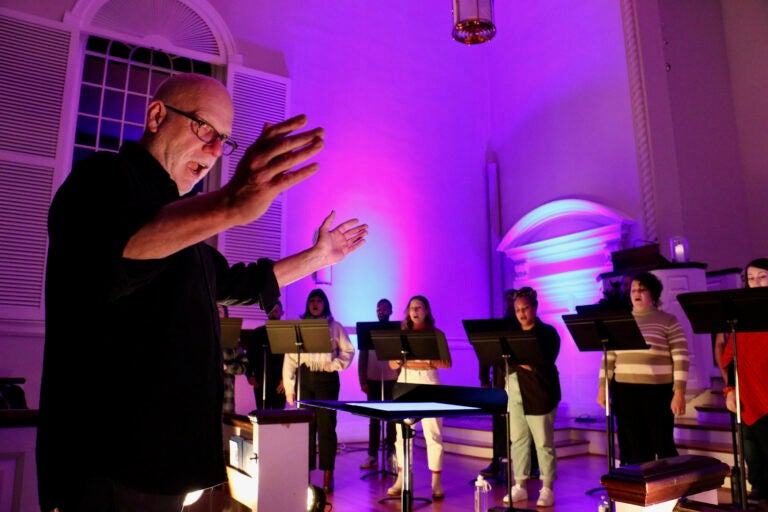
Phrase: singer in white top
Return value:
(419, 317)
(320, 381)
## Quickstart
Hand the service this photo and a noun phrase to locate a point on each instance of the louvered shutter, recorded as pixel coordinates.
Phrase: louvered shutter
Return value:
(258, 98)
(33, 57)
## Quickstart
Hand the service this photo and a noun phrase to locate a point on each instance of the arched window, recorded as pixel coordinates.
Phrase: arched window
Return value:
(118, 80)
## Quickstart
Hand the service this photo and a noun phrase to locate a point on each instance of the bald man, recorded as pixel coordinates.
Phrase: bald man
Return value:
(130, 406)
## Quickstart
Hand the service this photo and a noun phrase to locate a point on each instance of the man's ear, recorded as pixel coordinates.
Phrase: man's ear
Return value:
(156, 113)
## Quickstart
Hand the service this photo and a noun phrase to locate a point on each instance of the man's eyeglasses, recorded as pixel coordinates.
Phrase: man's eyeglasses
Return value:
(207, 133)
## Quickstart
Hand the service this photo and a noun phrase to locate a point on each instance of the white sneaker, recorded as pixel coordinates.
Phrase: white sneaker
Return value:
(546, 497)
(519, 493)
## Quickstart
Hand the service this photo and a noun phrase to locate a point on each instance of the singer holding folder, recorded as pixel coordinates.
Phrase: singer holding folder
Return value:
(534, 392)
(419, 317)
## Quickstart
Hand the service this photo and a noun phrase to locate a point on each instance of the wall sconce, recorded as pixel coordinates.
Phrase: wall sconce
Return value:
(473, 21)
(323, 276)
(678, 249)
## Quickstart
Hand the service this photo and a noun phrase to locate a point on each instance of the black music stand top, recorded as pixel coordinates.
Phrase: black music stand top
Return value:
(492, 339)
(284, 336)
(363, 330)
(429, 344)
(230, 331)
(741, 309)
(605, 330)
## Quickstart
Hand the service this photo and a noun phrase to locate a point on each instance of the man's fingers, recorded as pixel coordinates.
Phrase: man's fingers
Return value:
(289, 179)
(327, 221)
(283, 127)
(291, 154)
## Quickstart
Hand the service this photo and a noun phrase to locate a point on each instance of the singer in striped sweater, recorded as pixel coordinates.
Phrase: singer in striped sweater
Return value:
(648, 386)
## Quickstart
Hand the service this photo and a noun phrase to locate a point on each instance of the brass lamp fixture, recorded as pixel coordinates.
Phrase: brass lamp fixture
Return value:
(473, 21)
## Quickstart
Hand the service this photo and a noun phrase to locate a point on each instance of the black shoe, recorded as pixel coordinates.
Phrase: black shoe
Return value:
(490, 471)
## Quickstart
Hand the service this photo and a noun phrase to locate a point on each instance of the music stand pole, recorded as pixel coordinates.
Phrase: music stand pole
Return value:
(739, 430)
(299, 346)
(382, 437)
(610, 436)
(264, 375)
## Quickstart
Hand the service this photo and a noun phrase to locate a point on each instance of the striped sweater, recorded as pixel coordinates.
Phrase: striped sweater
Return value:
(666, 361)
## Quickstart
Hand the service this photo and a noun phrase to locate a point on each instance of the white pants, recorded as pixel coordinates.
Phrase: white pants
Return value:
(430, 427)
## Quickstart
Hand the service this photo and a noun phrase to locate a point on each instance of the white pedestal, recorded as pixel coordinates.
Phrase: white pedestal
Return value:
(272, 473)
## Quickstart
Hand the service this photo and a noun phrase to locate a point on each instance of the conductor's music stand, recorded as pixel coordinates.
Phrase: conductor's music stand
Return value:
(492, 340)
(309, 336)
(404, 345)
(364, 342)
(604, 331)
(416, 401)
(739, 310)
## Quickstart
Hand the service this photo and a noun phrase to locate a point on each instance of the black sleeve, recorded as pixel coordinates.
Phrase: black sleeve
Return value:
(244, 285)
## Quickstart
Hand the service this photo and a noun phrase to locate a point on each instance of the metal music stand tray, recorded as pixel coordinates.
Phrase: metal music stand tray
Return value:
(364, 342)
(417, 401)
(308, 336)
(493, 340)
(605, 330)
(732, 311)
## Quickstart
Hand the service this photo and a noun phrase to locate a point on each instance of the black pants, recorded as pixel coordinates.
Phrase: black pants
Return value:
(322, 427)
(374, 427)
(644, 421)
(101, 494)
(756, 453)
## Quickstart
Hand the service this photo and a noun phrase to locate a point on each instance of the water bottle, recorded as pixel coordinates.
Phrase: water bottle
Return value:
(605, 504)
(481, 494)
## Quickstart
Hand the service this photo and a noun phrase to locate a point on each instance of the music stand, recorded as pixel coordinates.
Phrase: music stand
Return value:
(310, 336)
(739, 310)
(416, 401)
(492, 339)
(364, 342)
(427, 344)
(604, 331)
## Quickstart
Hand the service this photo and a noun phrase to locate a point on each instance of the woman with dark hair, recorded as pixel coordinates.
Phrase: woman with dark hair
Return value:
(534, 392)
(419, 317)
(753, 366)
(320, 381)
(648, 386)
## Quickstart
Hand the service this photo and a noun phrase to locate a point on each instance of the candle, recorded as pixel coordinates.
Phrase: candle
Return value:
(679, 252)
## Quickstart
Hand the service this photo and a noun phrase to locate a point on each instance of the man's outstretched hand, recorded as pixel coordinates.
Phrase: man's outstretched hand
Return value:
(335, 244)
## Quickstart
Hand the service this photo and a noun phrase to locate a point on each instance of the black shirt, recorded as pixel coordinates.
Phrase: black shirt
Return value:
(132, 367)
(540, 387)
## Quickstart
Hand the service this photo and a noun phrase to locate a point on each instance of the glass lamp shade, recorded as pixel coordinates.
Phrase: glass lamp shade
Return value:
(473, 21)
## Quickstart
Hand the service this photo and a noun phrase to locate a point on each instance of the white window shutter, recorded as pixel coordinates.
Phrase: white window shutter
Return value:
(258, 98)
(33, 57)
